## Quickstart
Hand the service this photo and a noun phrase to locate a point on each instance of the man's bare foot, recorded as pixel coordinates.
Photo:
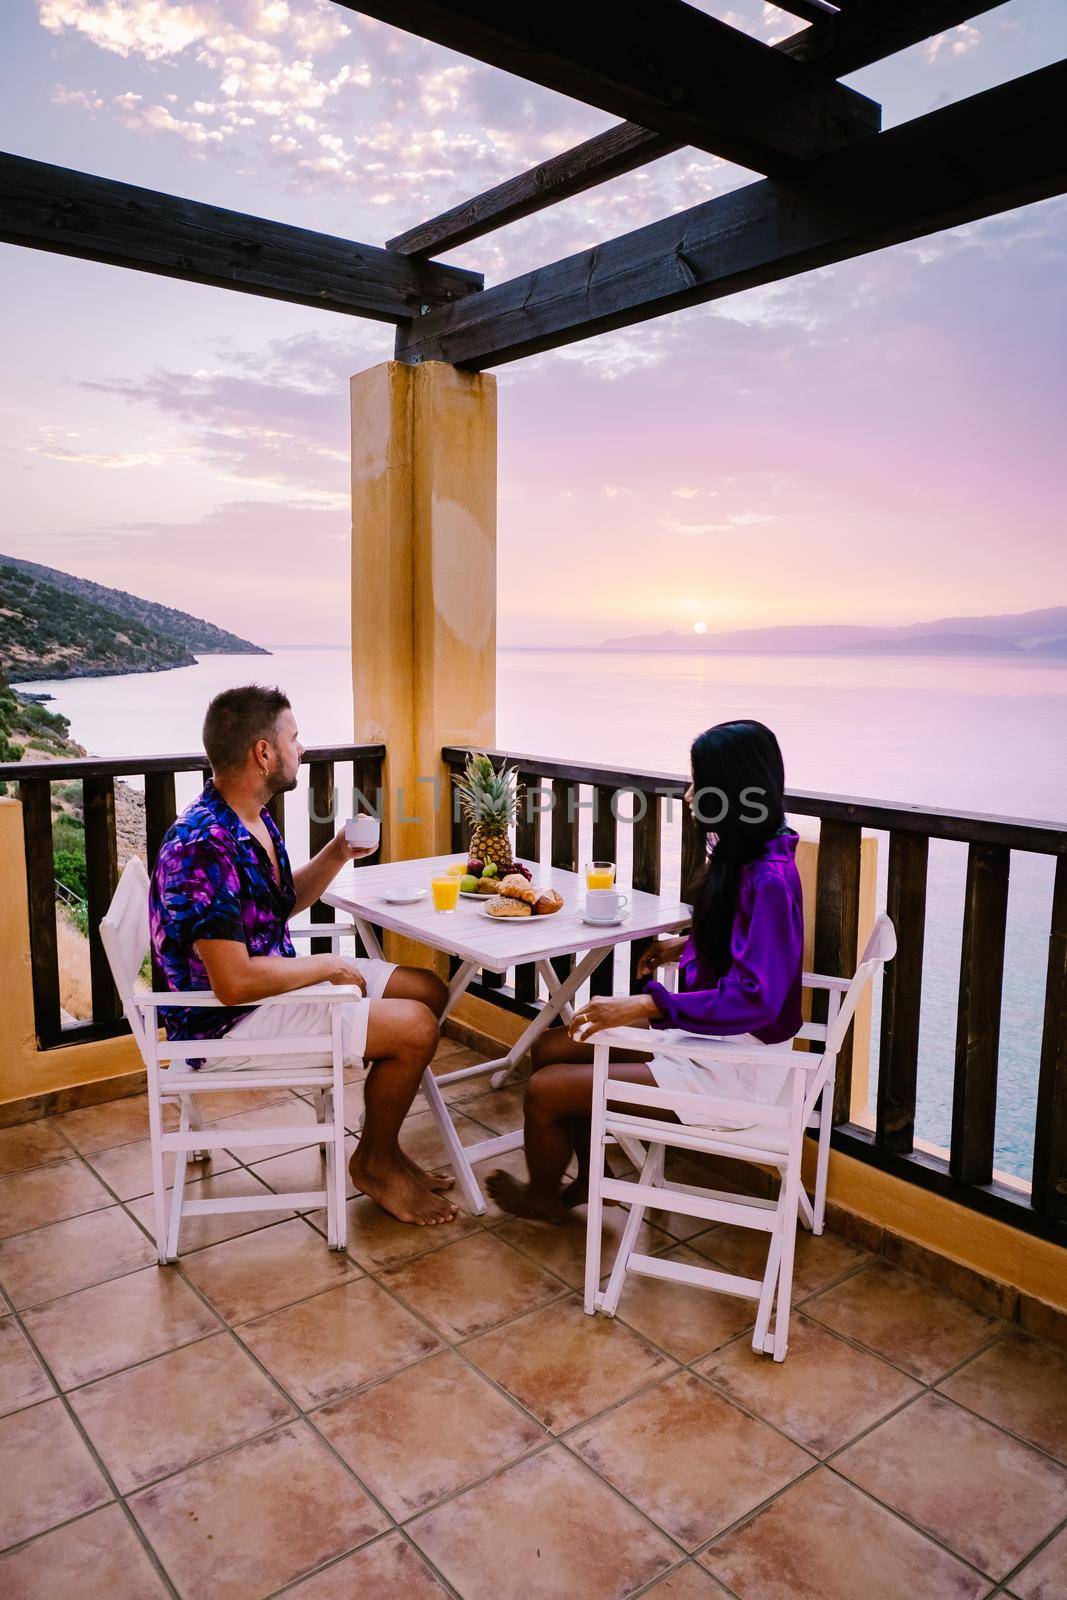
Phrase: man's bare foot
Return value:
(387, 1180)
(518, 1199)
(437, 1181)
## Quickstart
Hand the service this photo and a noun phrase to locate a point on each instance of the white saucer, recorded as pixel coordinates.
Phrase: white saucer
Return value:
(598, 922)
(404, 897)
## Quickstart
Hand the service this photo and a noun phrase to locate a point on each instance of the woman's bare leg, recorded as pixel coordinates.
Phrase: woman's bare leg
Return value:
(558, 1097)
(401, 1040)
(556, 1047)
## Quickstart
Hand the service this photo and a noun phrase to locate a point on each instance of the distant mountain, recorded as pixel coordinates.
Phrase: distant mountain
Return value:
(53, 625)
(1037, 632)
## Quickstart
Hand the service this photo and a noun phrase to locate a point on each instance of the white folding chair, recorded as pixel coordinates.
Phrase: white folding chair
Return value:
(774, 1138)
(125, 937)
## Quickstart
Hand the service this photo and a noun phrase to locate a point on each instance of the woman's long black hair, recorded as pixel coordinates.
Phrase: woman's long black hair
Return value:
(738, 802)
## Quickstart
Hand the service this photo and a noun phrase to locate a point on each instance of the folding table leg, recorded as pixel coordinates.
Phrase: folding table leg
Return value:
(461, 1166)
(558, 1004)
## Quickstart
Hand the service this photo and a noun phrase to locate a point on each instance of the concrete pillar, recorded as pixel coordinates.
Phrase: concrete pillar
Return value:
(423, 584)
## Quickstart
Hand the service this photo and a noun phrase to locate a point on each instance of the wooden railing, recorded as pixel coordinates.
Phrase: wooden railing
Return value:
(97, 779)
(967, 1175)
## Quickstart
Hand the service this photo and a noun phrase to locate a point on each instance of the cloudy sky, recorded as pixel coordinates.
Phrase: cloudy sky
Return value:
(877, 441)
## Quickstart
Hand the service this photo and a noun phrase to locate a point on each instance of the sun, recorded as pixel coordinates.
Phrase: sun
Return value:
(700, 627)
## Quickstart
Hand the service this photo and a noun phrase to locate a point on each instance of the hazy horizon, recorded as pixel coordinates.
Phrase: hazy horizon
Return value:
(878, 442)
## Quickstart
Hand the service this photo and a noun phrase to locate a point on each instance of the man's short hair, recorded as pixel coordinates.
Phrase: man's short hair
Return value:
(237, 719)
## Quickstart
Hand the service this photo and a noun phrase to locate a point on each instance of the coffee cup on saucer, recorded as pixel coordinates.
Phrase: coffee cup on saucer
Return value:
(363, 832)
(605, 905)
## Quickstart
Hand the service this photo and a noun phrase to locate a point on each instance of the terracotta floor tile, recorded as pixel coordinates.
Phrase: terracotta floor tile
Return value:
(685, 1321)
(546, 1529)
(218, 1103)
(127, 1168)
(50, 1476)
(337, 1341)
(294, 1113)
(99, 1557)
(819, 1260)
(198, 1232)
(1045, 1577)
(421, 1138)
(300, 1170)
(246, 1277)
(909, 1322)
(471, 1285)
(155, 1419)
(822, 1395)
(377, 1240)
(30, 1144)
(688, 1583)
(40, 1195)
(112, 1122)
(23, 1380)
(1021, 1385)
(52, 1261)
(998, 1501)
(500, 1110)
(822, 1540)
(564, 1366)
(688, 1458)
(388, 1569)
(100, 1330)
(560, 1248)
(428, 1431)
(244, 1524)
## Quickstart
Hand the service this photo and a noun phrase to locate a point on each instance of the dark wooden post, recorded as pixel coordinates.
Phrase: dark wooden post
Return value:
(902, 993)
(528, 848)
(837, 910)
(160, 809)
(605, 848)
(1050, 1133)
(101, 877)
(648, 838)
(276, 807)
(36, 797)
(974, 1095)
(322, 826)
(564, 843)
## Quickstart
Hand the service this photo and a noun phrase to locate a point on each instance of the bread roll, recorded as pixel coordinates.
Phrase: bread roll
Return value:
(498, 906)
(548, 901)
(515, 887)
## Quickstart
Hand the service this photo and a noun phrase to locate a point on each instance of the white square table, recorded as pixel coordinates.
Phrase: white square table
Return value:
(495, 944)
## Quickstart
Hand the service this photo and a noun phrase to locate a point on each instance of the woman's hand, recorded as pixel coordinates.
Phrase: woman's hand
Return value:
(658, 954)
(624, 1011)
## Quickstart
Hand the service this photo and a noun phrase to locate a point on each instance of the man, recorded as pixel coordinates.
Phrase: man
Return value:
(222, 895)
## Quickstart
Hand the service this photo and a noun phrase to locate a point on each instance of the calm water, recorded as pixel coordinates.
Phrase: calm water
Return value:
(971, 735)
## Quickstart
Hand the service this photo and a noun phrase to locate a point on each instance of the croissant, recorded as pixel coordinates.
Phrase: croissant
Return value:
(515, 887)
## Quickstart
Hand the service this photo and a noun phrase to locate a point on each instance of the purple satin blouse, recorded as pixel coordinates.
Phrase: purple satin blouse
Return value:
(759, 993)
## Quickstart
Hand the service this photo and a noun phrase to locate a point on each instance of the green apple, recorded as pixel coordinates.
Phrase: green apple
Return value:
(491, 871)
(468, 883)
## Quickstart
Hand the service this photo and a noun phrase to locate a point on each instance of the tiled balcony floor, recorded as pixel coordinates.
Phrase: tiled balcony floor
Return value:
(433, 1415)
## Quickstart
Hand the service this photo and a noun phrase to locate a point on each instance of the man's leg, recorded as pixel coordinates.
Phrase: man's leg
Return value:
(418, 983)
(401, 1040)
(558, 1098)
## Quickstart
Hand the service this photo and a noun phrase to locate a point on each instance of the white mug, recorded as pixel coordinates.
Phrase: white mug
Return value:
(605, 905)
(363, 832)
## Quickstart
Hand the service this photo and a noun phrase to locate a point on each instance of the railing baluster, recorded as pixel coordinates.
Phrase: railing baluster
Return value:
(1050, 1133)
(276, 807)
(605, 848)
(974, 1095)
(528, 848)
(694, 852)
(36, 797)
(160, 810)
(648, 839)
(902, 993)
(837, 904)
(564, 844)
(322, 826)
(101, 878)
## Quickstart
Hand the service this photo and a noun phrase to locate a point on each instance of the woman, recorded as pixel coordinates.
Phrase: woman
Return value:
(739, 973)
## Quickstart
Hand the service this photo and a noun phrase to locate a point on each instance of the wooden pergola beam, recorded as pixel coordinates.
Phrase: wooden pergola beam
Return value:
(996, 150)
(840, 43)
(660, 63)
(76, 214)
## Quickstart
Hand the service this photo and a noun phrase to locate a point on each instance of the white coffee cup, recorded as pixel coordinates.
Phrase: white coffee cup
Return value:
(605, 905)
(363, 832)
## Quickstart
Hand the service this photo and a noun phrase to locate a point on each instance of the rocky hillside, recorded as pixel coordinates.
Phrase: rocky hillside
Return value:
(53, 625)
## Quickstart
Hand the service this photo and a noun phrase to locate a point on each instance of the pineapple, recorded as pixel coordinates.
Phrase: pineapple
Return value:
(490, 802)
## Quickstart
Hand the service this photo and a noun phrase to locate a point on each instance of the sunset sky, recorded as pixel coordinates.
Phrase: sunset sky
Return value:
(879, 441)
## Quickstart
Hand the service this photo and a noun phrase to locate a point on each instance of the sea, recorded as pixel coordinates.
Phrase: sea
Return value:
(961, 733)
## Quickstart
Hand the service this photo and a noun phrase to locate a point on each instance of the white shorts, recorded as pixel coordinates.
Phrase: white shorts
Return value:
(761, 1085)
(310, 1017)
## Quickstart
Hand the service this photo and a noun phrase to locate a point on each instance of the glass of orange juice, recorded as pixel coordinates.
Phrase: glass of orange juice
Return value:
(445, 890)
(599, 874)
